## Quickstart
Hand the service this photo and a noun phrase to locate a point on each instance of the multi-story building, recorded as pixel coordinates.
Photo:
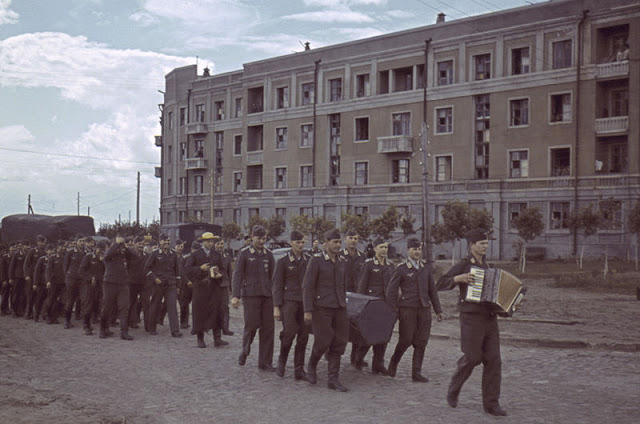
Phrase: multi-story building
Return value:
(524, 107)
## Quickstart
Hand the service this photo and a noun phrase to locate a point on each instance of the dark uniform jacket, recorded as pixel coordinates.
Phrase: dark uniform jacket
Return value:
(72, 260)
(39, 272)
(353, 267)
(5, 259)
(55, 270)
(135, 267)
(199, 258)
(92, 266)
(324, 283)
(252, 275)
(164, 266)
(374, 277)
(16, 266)
(31, 260)
(226, 270)
(445, 282)
(417, 287)
(287, 279)
(116, 264)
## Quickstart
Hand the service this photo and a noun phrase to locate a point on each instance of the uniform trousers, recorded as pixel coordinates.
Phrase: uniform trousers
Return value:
(39, 296)
(330, 330)
(5, 293)
(294, 327)
(72, 295)
(18, 300)
(115, 299)
(54, 303)
(90, 300)
(258, 314)
(186, 294)
(168, 292)
(136, 297)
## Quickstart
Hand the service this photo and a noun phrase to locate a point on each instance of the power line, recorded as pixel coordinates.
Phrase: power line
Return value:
(77, 156)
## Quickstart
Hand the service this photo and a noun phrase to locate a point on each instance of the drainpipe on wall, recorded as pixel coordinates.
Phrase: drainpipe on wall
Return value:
(186, 154)
(313, 146)
(576, 167)
(426, 230)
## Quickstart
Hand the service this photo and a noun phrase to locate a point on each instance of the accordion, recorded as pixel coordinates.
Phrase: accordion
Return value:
(496, 286)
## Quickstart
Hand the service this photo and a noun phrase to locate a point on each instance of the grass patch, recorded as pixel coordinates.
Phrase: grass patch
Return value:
(621, 283)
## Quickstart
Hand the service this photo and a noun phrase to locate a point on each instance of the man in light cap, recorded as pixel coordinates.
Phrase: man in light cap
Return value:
(414, 278)
(479, 334)
(252, 283)
(324, 296)
(287, 305)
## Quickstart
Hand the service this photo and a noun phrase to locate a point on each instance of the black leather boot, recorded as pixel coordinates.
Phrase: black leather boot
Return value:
(124, 335)
(418, 356)
(312, 376)
(201, 343)
(334, 372)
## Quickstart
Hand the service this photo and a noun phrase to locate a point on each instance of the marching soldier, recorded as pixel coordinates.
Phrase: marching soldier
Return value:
(29, 266)
(73, 280)
(414, 278)
(39, 287)
(374, 280)
(354, 260)
(252, 283)
(185, 291)
(224, 287)
(54, 275)
(288, 307)
(325, 308)
(92, 269)
(137, 293)
(5, 291)
(17, 279)
(115, 289)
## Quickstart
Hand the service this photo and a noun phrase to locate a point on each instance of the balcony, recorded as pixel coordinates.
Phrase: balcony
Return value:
(158, 172)
(159, 140)
(254, 158)
(613, 125)
(196, 128)
(395, 144)
(612, 69)
(195, 163)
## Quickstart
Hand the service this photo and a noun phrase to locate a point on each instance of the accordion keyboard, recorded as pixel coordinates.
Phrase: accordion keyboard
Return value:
(474, 290)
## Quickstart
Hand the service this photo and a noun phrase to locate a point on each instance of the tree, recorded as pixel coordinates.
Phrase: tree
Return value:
(276, 225)
(529, 225)
(231, 231)
(384, 224)
(301, 223)
(255, 220)
(633, 222)
(609, 210)
(406, 223)
(320, 225)
(361, 224)
(587, 220)
(129, 229)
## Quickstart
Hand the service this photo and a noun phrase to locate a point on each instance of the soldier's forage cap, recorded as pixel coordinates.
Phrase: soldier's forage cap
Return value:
(351, 233)
(332, 235)
(208, 236)
(41, 238)
(377, 242)
(258, 231)
(164, 237)
(474, 236)
(195, 245)
(413, 243)
(296, 236)
(101, 244)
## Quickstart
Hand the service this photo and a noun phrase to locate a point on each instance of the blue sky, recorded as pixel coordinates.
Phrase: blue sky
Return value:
(79, 81)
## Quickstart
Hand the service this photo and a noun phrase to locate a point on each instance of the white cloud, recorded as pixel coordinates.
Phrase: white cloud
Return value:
(209, 16)
(400, 14)
(333, 3)
(359, 33)
(343, 16)
(143, 18)
(14, 136)
(7, 16)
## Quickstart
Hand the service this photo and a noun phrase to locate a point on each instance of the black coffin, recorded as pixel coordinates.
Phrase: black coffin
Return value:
(371, 320)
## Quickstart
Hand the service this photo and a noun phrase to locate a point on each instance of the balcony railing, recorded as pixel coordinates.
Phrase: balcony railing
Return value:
(614, 124)
(158, 172)
(196, 128)
(395, 144)
(612, 69)
(158, 140)
(195, 163)
(254, 158)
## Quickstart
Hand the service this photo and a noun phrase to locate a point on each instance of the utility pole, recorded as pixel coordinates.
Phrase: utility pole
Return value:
(88, 210)
(29, 208)
(138, 201)
(426, 227)
(78, 203)
(211, 189)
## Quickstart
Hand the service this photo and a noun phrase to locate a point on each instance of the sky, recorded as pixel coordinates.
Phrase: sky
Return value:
(80, 81)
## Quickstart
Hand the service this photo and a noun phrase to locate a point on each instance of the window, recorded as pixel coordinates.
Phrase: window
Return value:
(620, 102)
(237, 145)
(281, 212)
(482, 138)
(255, 99)
(218, 181)
(362, 173)
(281, 177)
(170, 120)
(183, 185)
(169, 153)
(308, 93)
(444, 120)
(281, 138)
(361, 210)
(443, 168)
(335, 87)
(181, 216)
(514, 211)
(238, 108)
(611, 155)
(308, 211)
(306, 176)
(334, 149)
(561, 162)
(561, 54)
(383, 81)
(558, 216)
(169, 187)
(403, 79)
(237, 181)
(420, 76)
(218, 110)
(282, 97)
(198, 181)
(217, 213)
(306, 135)
(199, 148)
(362, 85)
(400, 171)
(255, 138)
(237, 216)
(520, 63)
(197, 215)
(519, 112)
(183, 151)
(519, 164)
(200, 113)
(561, 108)
(445, 72)
(169, 217)
(401, 123)
(183, 116)
(254, 177)
(362, 129)
(254, 212)
(482, 67)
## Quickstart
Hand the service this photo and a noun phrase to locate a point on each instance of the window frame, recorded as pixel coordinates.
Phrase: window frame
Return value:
(552, 58)
(436, 123)
(520, 161)
(237, 188)
(551, 103)
(355, 172)
(309, 175)
(451, 77)
(285, 139)
(277, 175)
(437, 170)
(355, 129)
(474, 66)
(310, 137)
(510, 121)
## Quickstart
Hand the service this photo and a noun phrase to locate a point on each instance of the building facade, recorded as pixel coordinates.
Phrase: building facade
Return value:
(534, 106)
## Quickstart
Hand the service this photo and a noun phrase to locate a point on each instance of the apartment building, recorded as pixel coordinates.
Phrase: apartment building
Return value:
(532, 106)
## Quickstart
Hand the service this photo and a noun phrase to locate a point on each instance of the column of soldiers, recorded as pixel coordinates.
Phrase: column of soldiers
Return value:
(305, 291)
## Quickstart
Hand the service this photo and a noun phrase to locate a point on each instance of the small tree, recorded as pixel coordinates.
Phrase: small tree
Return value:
(406, 223)
(586, 220)
(276, 226)
(255, 220)
(633, 221)
(301, 223)
(361, 224)
(609, 220)
(385, 223)
(231, 231)
(529, 225)
(320, 225)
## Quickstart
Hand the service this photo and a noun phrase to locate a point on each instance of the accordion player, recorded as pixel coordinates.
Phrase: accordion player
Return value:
(496, 286)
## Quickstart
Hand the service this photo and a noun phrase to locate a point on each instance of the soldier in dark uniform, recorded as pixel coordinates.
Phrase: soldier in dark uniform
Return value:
(5, 291)
(39, 287)
(354, 259)
(54, 275)
(185, 291)
(137, 295)
(414, 278)
(288, 307)
(163, 268)
(225, 284)
(315, 247)
(73, 280)
(204, 269)
(29, 266)
(325, 308)
(374, 280)
(252, 283)
(479, 334)
(17, 280)
(115, 289)
(92, 269)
